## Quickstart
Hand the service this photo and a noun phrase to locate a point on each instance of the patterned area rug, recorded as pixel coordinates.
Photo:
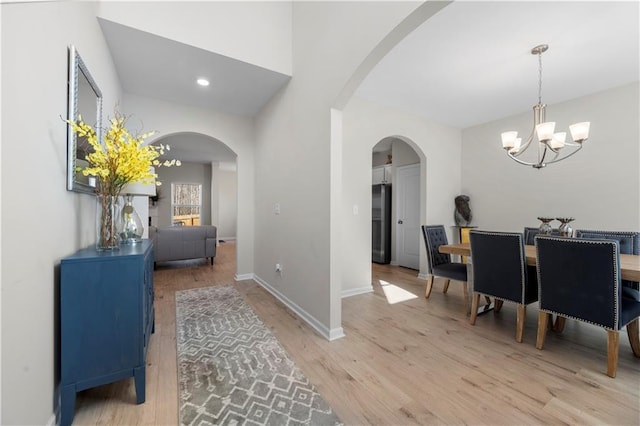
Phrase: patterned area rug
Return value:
(233, 371)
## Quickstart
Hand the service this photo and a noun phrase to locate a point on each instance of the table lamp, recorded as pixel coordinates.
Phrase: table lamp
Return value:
(130, 225)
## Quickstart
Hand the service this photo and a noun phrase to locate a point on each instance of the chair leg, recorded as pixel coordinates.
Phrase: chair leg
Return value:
(498, 305)
(446, 286)
(427, 293)
(487, 299)
(522, 311)
(612, 353)
(543, 319)
(474, 308)
(558, 327)
(634, 340)
(465, 294)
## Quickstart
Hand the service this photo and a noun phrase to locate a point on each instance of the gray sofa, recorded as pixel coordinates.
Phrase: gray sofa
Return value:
(183, 242)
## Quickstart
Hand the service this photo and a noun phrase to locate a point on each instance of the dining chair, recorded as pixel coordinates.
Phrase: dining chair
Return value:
(440, 264)
(580, 279)
(530, 234)
(500, 271)
(629, 244)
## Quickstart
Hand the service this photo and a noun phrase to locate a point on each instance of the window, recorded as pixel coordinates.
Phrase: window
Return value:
(186, 202)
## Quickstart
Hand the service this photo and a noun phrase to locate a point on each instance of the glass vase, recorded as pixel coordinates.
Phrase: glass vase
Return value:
(545, 228)
(130, 226)
(565, 229)
(106, 216)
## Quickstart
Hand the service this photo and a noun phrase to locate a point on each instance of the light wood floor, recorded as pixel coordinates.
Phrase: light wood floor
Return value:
(415, 361)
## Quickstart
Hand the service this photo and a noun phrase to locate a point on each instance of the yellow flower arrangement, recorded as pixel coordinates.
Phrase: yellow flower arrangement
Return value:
(122, 158)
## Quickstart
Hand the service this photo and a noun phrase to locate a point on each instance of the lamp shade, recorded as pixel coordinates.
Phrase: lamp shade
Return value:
(139, 188)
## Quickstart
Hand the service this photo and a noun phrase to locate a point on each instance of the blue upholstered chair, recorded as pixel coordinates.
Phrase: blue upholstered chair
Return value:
(629, 244)
(500, 271)
(580, 279)
(440, 264)
(530, 234)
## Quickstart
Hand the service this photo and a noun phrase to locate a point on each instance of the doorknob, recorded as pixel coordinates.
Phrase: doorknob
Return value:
(400, 222)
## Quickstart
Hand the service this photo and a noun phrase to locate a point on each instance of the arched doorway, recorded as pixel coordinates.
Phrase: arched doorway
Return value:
(209, 164)
(397, 187)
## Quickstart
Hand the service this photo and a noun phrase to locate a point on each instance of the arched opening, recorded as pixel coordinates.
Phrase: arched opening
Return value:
(209, 170)
(395, 202)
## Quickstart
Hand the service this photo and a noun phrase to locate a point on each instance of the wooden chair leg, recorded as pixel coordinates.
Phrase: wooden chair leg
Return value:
(465, 294)
(632, 331)
(487, 299)
(543, 319)
(522, 311)
(446, 286)
(558, 327)
(612, 353)
(427, 293)
(474, 308)
(498, 305)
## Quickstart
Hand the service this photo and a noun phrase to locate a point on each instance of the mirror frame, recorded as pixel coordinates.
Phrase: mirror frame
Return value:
(77, 70)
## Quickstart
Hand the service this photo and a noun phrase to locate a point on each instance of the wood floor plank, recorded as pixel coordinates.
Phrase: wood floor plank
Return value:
(403, 361)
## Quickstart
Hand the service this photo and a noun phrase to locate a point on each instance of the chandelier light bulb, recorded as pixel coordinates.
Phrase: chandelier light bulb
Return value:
(557, 141)
(202, 82)
(509, 139)
(580, 131)
(545, 131)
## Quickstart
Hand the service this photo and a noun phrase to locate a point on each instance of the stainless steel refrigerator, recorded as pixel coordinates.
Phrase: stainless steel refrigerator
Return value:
(381, 223)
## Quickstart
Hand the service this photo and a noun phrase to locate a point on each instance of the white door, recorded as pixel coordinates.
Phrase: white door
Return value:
(407, 189)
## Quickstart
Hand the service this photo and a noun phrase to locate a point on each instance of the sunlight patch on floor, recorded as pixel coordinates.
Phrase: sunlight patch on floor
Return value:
(395, 294)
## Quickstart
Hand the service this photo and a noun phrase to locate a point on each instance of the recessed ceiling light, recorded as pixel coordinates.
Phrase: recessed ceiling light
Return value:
(202, 81)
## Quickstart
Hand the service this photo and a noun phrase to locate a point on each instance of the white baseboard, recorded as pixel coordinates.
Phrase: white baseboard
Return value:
(393, 263)
(356, 291)
(328, 334)
(226, 238)
(52, 420)
(243, 277)
(423, 276)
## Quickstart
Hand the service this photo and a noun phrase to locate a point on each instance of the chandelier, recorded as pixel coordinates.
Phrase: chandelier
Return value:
(552, 147)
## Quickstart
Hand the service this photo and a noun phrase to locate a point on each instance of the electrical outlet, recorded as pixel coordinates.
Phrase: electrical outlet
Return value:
(278, 267)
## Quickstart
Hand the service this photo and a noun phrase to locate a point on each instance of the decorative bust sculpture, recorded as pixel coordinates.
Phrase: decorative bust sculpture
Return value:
(462, 213)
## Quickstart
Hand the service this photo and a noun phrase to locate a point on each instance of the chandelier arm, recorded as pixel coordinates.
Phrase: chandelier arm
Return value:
(517, 160)
(554, 160)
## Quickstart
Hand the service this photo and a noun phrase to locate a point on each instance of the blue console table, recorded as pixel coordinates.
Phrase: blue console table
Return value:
(106, 320)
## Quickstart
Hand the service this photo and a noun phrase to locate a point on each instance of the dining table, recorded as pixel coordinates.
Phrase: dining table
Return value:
(629, 263)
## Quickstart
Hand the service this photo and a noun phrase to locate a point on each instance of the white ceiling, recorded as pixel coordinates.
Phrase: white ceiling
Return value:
(472, 63)
(467, 65)
(157, 67)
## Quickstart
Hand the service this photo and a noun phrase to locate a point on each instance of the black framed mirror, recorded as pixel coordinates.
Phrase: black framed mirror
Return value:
(85, 100)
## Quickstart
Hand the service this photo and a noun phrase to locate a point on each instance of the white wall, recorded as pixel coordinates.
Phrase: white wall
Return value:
(439, 146)
(41, 221)
(234, 131)
(599, 186)
(227, 201)
(255, 32)
(293, 152)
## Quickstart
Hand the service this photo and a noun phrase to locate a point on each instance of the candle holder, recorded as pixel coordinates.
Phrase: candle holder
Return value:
(565, 229)
(545, 228)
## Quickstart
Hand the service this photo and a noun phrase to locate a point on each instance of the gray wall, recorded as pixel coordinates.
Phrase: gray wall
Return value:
(186, 173)
(599, 186)
(41, 221)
